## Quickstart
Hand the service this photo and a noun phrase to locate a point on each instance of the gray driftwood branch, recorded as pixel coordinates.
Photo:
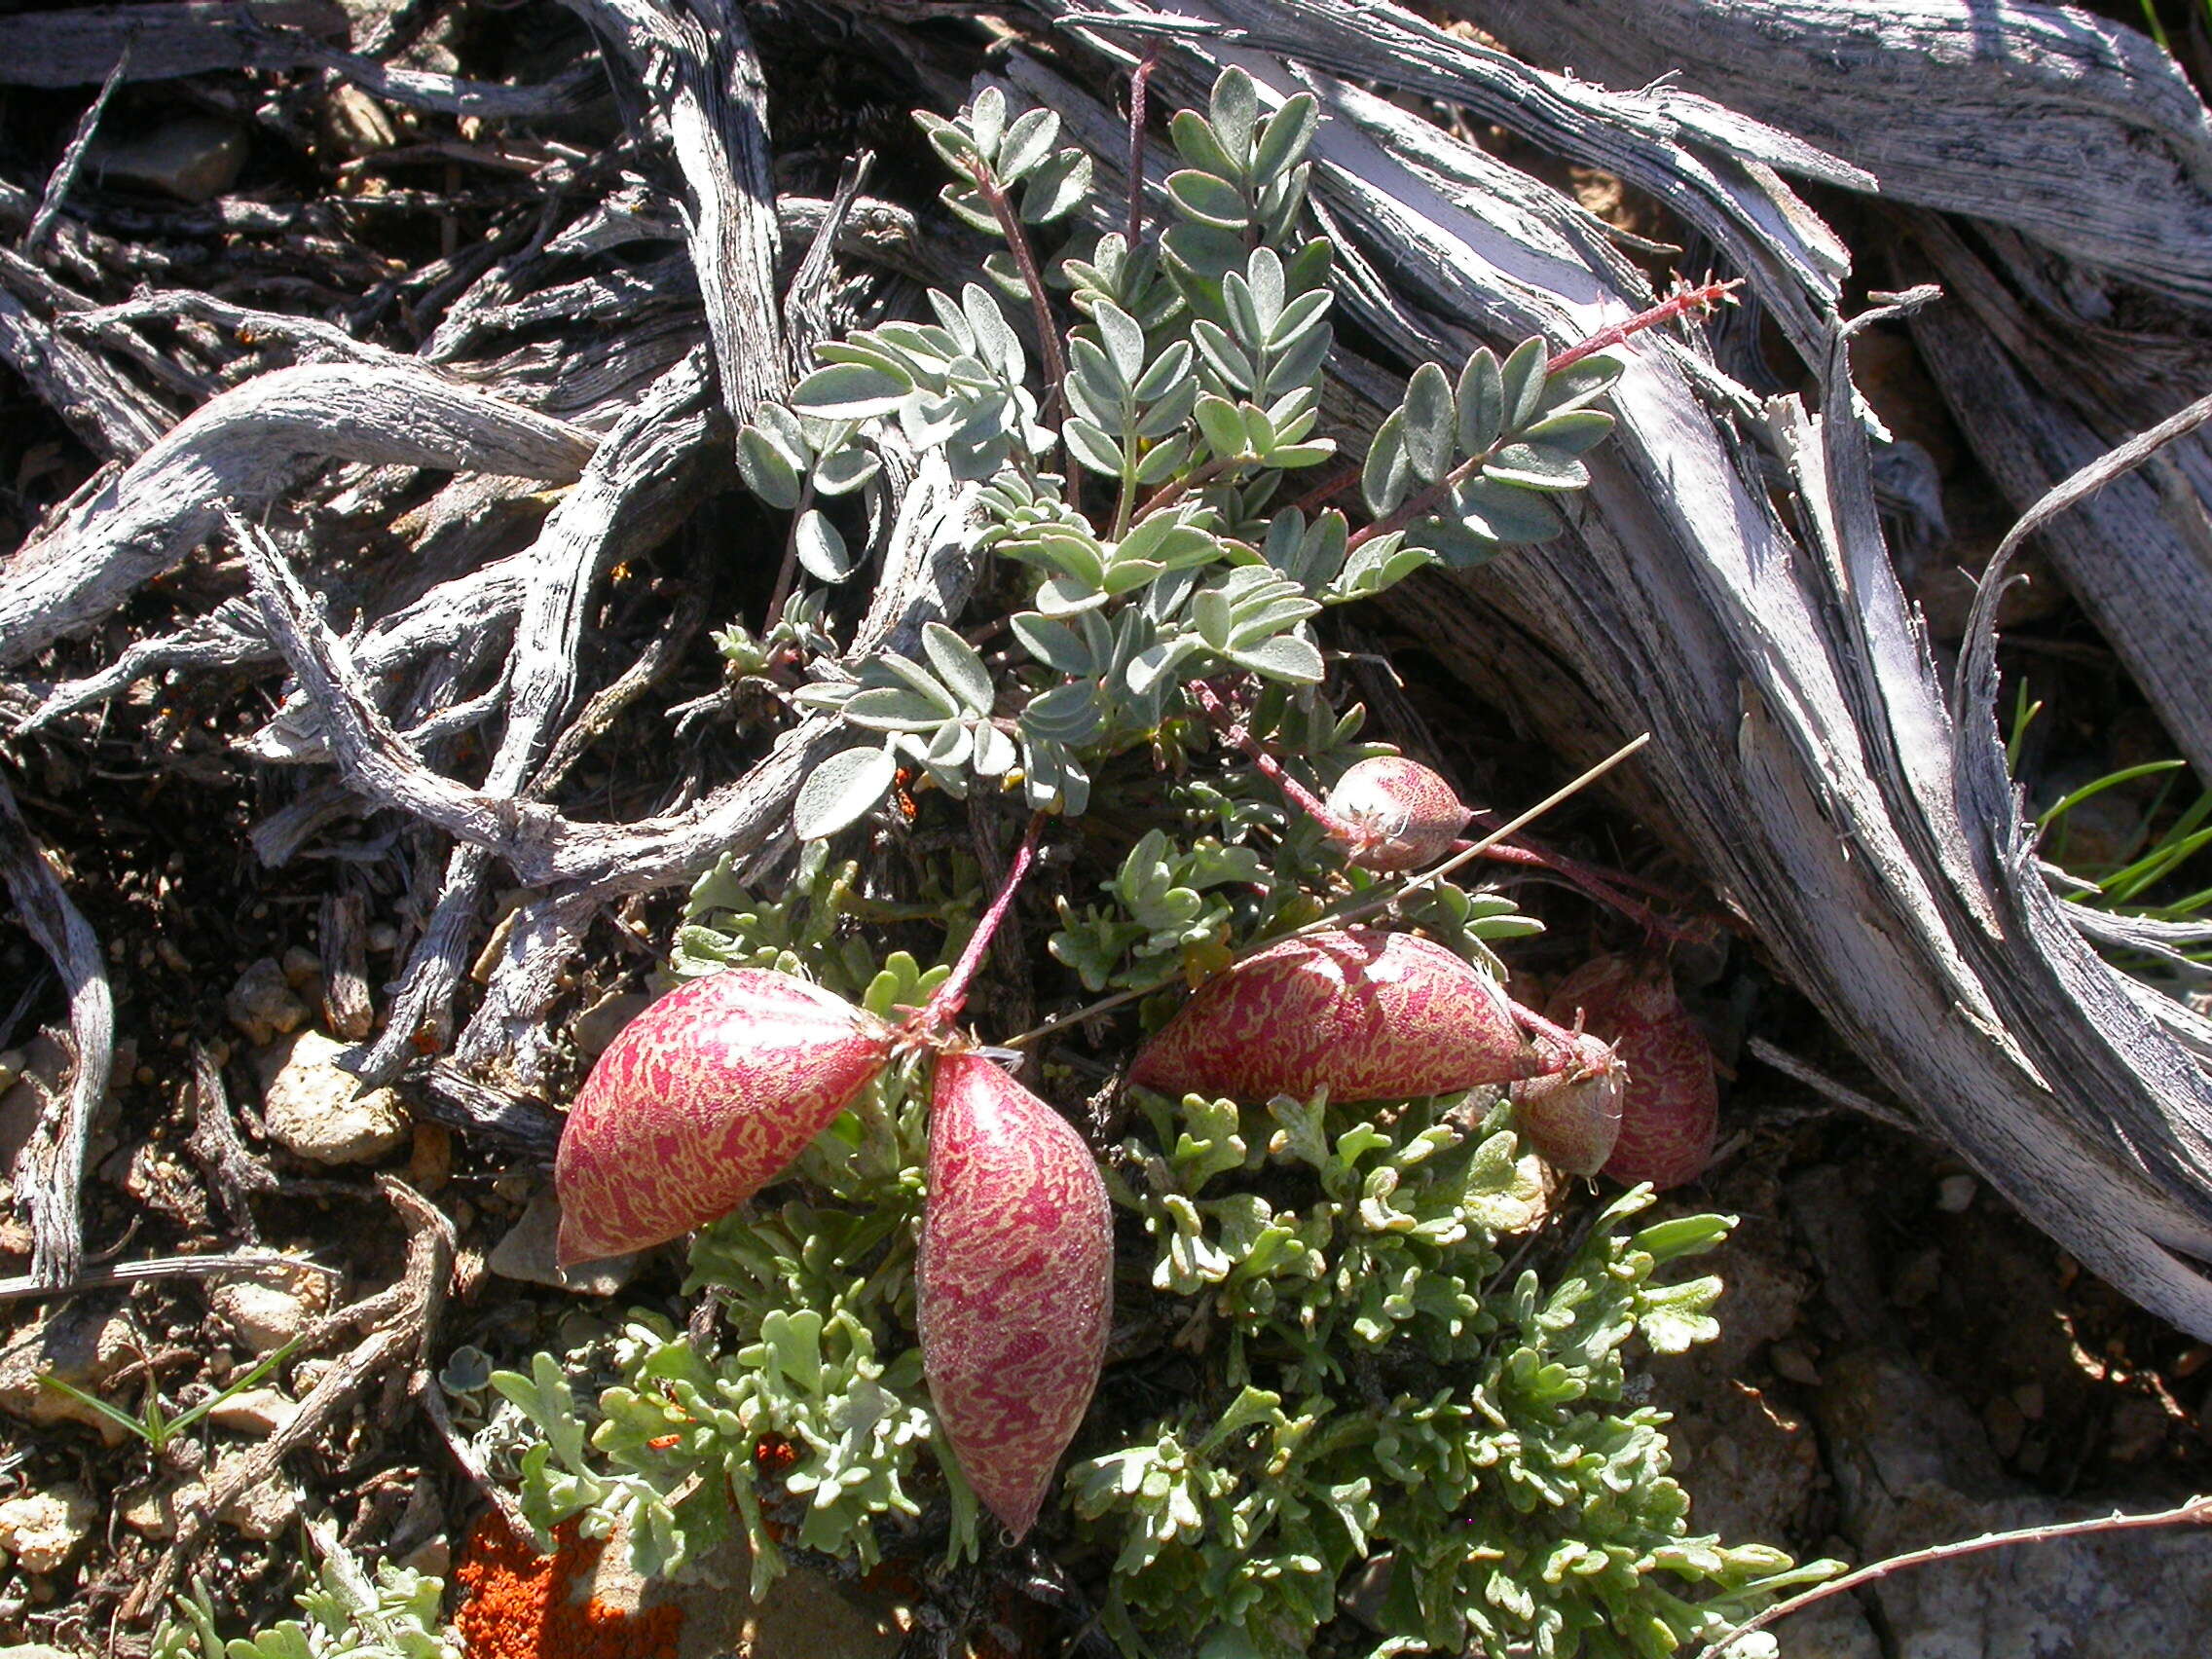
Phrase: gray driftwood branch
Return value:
(56, 1174)
(248, 447)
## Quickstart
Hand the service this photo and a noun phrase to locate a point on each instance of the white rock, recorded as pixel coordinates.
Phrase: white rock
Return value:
(321, 1112)
(258, 1412)
(526, 1253)
(77, 1346)
(270, 1307)
(42, 1529)
(260, 1512)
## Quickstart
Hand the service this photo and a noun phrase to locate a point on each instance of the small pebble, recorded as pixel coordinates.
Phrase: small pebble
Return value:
(42, 1529)
(317, 1110)
(262, 1005)
(257, 1411)
(1954, 1193)
(1791, 1362)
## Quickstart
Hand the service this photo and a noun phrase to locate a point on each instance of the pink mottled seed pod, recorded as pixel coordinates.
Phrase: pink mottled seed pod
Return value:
(701, 1101)
(1573, 1117)
(1015, 1283)
(1408, 808)
(1673, 1105)
(1368, 1015)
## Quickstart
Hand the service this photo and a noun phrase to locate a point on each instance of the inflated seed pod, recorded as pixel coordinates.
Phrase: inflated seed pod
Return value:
(1365, 1014)
(1405, 812)
(702, 1100)
(1672, 1106)
(1015, 1283)
(1572, 1116)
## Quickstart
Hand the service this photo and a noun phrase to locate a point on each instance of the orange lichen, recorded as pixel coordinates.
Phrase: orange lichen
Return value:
(519, 1604)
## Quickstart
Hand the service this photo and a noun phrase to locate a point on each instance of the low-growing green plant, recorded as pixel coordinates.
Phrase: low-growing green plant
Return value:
(1371, 1387)
(393, 1615)
(154, 1424)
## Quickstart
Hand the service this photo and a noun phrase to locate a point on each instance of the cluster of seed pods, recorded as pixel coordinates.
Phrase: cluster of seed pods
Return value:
(710, 1093)
(715, 1089)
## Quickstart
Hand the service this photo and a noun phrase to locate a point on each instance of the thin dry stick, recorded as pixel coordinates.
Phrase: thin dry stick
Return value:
(65, 171)
(53, 1193)
(2197, 1512)
(1367, 908)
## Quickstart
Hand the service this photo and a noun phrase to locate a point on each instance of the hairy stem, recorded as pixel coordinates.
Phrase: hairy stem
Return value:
(1048, 333)
(1139, 80)
(1366, 907)
(1224, 719)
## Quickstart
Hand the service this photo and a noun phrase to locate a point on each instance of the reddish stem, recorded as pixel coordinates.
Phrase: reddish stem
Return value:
(1048, 336)
(1211, 703)
(1666, 310)
(1597, 884)
(944, 1004)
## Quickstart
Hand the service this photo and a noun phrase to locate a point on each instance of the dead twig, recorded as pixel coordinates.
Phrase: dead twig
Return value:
(54, 1192)
(2196, 1512)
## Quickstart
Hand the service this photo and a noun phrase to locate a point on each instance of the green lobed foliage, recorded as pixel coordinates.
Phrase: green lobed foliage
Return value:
(391, 1615)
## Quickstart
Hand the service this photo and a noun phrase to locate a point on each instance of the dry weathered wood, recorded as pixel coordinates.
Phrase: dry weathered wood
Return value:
(1709, 163)
(78, 46)
(246, 447)
(398, 1323)
(110, 418)
(703, 83)
(56, 1171)
(343, 945)
(446, 1094)
(929, 569)
(2135, 554)
(234, 1173)
(630, 497)
(2077, 130)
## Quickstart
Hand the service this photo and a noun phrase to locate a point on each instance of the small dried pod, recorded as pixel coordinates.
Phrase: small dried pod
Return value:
(1572, 1116)
(1404, 813)
(1673, 1105)
(1015, 1283)
(1365, 1014)
(701, 1101)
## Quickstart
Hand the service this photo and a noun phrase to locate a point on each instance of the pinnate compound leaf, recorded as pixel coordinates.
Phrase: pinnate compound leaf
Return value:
(1205, 200)
(1481, 397)
(769, 470)
(960, 666)
(1388, 477)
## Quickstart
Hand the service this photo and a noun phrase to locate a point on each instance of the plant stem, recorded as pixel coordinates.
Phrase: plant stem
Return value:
(1682, 300)
(787, 575)
(1420, 505)
(1139, 80)
(947, 1001)
(1225, 722)
(1167, 495)
(2197, 1511)
(1040, 302)
(1367, 908)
